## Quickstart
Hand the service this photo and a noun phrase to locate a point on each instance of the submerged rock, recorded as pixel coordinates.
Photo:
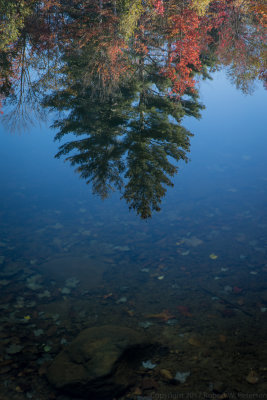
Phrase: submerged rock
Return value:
(166, 374)
(122, 248)
(121, 300)
(228, 289)
(10, 270)
(14, 349)
(252, 377)
(145, 324)
(33, 282)
(100, 363)
(38, 332)
(65, 290)
(72, 282)
(192, 241)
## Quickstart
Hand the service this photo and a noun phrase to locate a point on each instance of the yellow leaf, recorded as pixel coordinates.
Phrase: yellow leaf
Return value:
(213, 256)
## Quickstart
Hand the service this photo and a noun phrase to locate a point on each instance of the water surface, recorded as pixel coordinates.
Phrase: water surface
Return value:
(190, 273)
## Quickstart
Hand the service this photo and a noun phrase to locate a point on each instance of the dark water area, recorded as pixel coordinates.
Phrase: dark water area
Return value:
(135, 295)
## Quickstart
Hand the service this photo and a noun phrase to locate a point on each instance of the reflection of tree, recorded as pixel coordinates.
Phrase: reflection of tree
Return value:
(124, 71)
(12, 20)
(28, 58)
(25, 104)
(148, 161)
(176, 32)
(241, 47)
(127, 139)
(98, 156)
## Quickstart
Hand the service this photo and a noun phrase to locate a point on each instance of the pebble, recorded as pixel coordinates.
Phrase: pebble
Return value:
(137, 392)
(145, 324)
(10, 271)
(4, 282)
(32, 284)
(218, 387)
(147, 384)
(252, 377)
(144, 270)
(122, 300)
(14, 349)
(65, 290)
(72, 282)
(192, 241)
(38, 332)
(122, 248)
(46, 293)
(228, 289)
(166, 374)
(172, 322)
(5, 370)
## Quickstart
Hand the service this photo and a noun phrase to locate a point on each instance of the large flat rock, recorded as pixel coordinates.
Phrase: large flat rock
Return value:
(100, 363)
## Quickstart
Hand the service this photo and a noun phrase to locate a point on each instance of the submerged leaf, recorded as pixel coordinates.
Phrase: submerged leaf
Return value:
(213, 256)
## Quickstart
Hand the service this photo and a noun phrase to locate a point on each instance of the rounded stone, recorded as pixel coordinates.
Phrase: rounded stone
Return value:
(101, 362)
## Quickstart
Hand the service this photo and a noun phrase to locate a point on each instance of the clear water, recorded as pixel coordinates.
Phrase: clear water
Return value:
(200, 262)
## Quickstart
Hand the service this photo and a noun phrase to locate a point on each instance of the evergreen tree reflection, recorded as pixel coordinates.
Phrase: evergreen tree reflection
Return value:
(130, 140)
